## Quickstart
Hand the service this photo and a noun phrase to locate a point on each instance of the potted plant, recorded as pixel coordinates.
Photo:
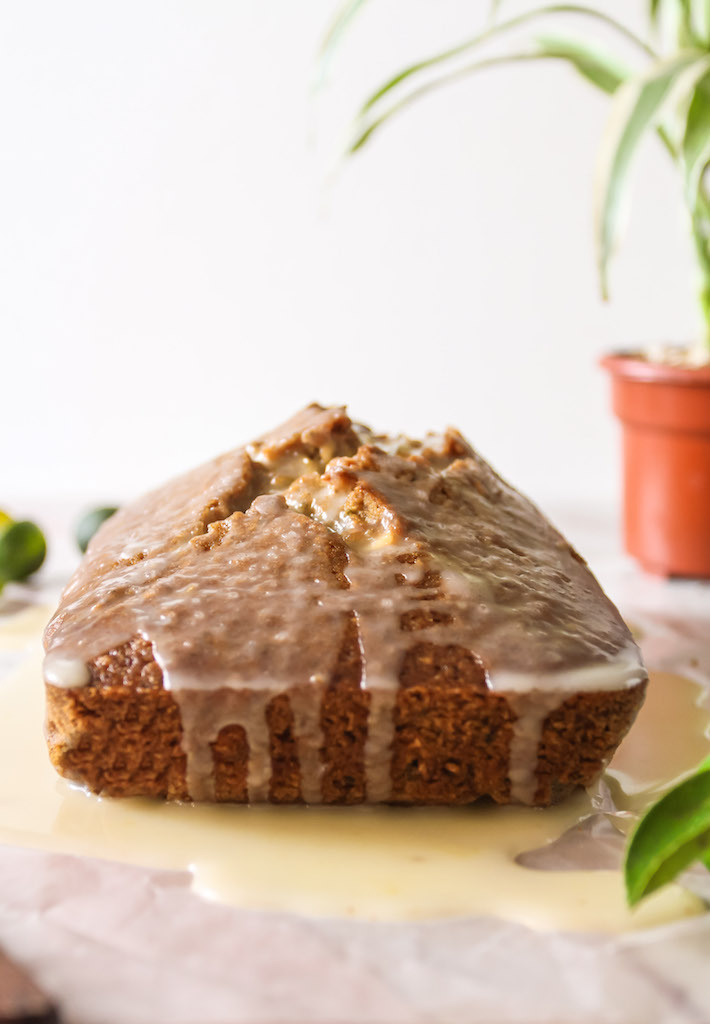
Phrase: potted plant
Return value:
(661, 397)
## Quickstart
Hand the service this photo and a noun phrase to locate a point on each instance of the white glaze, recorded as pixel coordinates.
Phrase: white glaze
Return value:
(372, 863)
(69, 673)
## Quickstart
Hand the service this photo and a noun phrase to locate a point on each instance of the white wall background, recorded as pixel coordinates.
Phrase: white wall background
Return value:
(178, 269)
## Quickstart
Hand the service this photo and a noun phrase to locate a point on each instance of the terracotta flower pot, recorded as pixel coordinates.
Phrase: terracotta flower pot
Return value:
(665, 416)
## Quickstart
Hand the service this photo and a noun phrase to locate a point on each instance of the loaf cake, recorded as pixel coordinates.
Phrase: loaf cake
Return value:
(332, 616)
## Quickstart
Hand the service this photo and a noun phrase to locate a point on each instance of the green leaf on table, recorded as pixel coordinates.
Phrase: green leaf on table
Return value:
(672, 835)
(90, 522)
(636, 107)
(22, 551)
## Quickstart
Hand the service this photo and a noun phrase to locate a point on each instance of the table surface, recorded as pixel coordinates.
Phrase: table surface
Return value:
(115, 943)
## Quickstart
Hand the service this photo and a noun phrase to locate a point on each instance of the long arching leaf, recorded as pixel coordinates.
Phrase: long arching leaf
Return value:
(337, 28)
(366, 127)
(636, 106)
(673, 834)
(494, 31)
(602, 69)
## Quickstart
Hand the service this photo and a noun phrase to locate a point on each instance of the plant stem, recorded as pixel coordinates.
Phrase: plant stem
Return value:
(700, 220)
(700, 226)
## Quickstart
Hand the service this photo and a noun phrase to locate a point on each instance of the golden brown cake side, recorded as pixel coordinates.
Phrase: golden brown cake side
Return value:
(121, 735)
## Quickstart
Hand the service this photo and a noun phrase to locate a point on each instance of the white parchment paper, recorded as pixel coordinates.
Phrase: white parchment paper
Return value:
(121, 945)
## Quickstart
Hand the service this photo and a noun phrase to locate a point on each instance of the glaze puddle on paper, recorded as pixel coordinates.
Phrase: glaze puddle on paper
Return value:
(372, 863)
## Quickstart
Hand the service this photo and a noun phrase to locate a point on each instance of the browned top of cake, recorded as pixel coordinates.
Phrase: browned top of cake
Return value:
(241, 573)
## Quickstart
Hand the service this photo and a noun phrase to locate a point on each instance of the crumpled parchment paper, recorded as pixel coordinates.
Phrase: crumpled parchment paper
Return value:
(115, 944)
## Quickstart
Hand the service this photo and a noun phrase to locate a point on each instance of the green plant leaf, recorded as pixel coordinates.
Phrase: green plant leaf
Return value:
(701, 20)
(600, 68)
(682, 23)
(604, 70)
(334, 34)
(493, 32)
(688, 21)
(366, 128)
(636, 107)
(672, 834)
(695, 147)
(695, 154)
(339, 24)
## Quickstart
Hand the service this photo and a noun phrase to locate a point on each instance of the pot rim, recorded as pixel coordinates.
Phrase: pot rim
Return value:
(632, 365)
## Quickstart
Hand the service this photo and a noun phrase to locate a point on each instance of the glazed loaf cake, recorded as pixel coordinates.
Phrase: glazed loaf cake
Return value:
(329, 615)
